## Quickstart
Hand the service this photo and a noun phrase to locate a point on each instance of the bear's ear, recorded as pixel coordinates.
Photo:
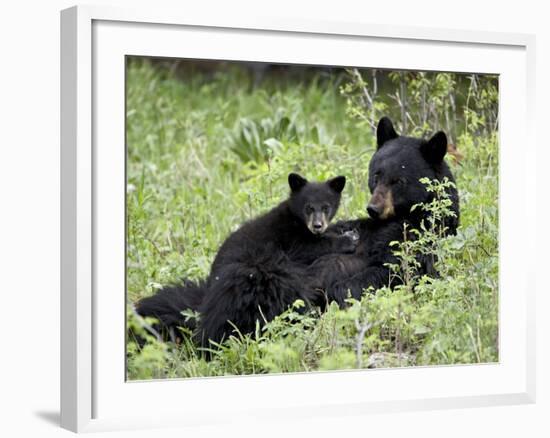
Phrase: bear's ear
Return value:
(385, 131)
(435, 148)
(337, 184)
(296, 182)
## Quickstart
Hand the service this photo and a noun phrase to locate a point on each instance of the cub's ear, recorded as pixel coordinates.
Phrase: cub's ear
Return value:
(296, 182)
(385, 131)
(337, 184)
(435, 148)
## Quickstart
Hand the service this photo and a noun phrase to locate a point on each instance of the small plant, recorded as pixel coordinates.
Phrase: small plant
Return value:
(424, 245)
(253, 139)
(145, 351)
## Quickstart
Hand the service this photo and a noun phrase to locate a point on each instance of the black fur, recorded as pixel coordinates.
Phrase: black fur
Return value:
(167, 304)
(259, 270)
(396, 167)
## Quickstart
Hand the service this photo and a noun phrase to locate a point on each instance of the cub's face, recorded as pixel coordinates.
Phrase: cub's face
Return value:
(315, 203)
(396, 168)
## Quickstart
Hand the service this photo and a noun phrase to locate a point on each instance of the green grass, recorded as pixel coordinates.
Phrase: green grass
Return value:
(208, 151)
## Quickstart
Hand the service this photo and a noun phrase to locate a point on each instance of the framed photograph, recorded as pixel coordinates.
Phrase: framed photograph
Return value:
(319, 211)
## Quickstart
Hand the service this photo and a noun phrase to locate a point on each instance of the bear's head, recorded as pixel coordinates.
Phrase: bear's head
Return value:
(396, 168)
(315, 203)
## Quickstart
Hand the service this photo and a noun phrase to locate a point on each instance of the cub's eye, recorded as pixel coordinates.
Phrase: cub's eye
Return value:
(309, 209)
(325, 209)
(375, 178)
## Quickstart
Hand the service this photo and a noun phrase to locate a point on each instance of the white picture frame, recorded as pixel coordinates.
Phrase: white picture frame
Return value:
(94, 393)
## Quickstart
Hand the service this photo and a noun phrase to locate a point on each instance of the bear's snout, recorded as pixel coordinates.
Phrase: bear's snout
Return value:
(317, 223)
(373, 211)
(381, 203)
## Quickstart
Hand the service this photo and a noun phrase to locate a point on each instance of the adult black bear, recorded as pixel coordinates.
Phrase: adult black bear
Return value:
(259, 270)
(395, 171)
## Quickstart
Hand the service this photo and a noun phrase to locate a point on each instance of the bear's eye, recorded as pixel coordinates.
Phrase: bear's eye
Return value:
(399, 181)
(375, 178)
(309, 209)
(325, 209)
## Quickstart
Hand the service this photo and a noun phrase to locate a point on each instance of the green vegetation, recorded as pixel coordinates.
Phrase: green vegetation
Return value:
(210, 148)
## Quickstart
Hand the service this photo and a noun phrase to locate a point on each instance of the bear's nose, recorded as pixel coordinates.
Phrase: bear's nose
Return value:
(317, 225)
(373, 211)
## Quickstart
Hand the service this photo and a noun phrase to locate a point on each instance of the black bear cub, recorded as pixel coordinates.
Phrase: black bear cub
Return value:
(395, 171)
(259, 270)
